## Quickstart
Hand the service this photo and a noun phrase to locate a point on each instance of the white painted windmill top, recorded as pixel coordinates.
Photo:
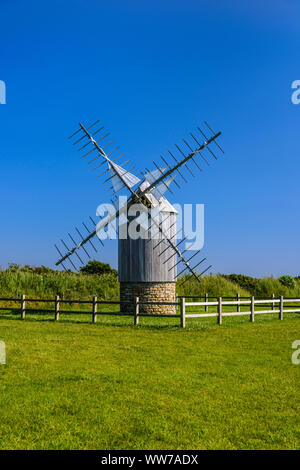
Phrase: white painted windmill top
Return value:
(165, 205)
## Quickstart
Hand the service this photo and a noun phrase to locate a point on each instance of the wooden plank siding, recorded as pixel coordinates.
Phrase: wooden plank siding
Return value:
(142, 260)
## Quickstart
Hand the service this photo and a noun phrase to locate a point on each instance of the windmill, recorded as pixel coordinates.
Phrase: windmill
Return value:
(150, 263)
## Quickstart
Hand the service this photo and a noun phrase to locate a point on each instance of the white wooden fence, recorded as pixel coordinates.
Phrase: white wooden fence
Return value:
(220, 303)
(276, 306)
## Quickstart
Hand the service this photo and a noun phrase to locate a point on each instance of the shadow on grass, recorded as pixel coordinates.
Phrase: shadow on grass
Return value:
(103, 320)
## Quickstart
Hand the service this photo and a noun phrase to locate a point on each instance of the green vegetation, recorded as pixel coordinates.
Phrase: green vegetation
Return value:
(74, 385)
(287, 281)
(215, 286)
(266, 286)
(48, 283)
(96, 267)
(99, 279)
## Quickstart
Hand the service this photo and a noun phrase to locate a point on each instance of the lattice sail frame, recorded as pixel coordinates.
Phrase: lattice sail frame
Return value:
(158, 182)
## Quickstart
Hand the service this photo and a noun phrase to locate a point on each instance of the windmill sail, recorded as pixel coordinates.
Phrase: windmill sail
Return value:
(158, 182)
(162, 188)
(152, 176)
(121, 178)
(183, 162)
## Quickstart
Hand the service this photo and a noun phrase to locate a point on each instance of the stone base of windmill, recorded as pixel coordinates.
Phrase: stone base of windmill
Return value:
(148, 292)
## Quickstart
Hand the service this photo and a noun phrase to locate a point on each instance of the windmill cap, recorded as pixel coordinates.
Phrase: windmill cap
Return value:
(165, 205)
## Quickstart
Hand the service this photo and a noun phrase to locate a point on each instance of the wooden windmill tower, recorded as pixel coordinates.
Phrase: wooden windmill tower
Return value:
(149, 260)
(146, 266)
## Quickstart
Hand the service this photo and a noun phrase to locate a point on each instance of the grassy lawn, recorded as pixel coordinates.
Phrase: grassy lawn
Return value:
(75, 385)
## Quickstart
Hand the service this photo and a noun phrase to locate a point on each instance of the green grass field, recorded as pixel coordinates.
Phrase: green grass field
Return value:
(75, 385)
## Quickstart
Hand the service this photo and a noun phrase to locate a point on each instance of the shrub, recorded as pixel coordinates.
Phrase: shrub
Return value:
(69, 285)
(287, 281)
(96, 267)
(246, 282)
(213, 285)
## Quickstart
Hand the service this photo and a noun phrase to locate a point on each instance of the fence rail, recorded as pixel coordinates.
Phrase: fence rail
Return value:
(181, 303)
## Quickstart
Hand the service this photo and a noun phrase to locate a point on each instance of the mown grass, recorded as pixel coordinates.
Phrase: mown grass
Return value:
(74, 385)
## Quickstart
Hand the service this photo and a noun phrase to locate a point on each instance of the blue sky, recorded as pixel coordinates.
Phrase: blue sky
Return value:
(151, 71)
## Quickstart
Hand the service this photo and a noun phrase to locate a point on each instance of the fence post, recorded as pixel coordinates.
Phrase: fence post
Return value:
(220, 311)
(57, 307)
(206, 300)
(23, 307)
(136, 310)
(238, 307)
(252, 309)
(281, 308)
(94, 309)
(273, 304)
(182, 312)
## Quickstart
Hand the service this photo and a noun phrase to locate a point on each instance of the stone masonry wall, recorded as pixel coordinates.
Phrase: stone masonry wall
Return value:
(148, 292)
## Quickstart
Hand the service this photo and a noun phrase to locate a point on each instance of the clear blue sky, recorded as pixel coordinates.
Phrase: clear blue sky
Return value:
(152, 71)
